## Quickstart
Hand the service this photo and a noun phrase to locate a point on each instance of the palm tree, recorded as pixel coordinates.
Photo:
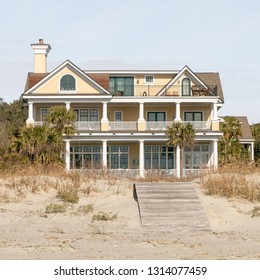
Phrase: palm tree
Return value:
(62, 120)
(229, 144)
(180, 135)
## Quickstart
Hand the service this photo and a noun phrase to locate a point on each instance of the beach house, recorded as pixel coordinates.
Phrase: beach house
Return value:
(123, 115)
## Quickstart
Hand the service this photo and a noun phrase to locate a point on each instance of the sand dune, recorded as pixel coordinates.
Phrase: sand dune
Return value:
(28, 232)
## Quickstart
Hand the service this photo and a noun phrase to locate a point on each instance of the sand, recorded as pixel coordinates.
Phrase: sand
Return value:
(27, 232)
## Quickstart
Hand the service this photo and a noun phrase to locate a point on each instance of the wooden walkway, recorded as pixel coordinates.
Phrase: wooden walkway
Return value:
(170, 207)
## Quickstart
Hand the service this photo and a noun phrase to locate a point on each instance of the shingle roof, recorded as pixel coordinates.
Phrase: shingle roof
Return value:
(212, 79)
(245, 127)
(33, 79)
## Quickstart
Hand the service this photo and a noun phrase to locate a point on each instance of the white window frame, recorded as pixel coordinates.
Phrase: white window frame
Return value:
(121, 112)
(78, 109)
(67, 91)
(149, 82)
(41, 114)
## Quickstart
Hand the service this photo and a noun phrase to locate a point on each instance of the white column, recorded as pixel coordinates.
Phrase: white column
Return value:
(141, 112)
(215, 154)
(30, 113)
(104, 116)
(178, 161)
(67, 105)
(252, 152)
(67, 155)
(215, 112)
(141, 158)
(104, 153)
(178, 111)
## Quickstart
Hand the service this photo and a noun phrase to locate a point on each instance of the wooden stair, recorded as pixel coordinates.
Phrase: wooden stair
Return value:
(170, 207)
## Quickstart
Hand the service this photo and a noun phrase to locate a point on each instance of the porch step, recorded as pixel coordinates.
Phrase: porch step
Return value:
(170, 207)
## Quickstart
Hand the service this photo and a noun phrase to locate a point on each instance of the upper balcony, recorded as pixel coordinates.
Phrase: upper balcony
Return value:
(82, 126)
(163, 90)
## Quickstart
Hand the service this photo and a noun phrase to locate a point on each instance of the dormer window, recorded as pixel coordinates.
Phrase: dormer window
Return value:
(185, 87)
(67, 83)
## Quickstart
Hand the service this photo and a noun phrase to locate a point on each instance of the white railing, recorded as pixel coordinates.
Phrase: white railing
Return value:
(199, 124)
(38, 123)
(87, 125)
(157, 125)
(123, 126)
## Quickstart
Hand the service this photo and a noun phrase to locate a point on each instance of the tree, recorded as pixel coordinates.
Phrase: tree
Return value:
(62, 120)
(44, 144)
(255, 128)
(180, 135)
(38, 144)
(229, 146)
(12, 118)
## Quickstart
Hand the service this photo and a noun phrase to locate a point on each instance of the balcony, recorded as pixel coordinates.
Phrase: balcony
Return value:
(157, 125)
(152, 90)
(133, 126)
(86, 126)
(197, 125)
(123, 126)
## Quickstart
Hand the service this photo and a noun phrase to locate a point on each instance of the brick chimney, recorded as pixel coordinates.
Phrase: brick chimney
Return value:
(41, 51)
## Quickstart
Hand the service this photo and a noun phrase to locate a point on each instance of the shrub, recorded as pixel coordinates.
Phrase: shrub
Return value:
(255, 212)
(55, 208)
(85, 209)
(68, 196)
(102, 216)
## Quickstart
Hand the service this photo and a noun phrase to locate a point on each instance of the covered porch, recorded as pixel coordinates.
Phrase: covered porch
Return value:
(140, 157)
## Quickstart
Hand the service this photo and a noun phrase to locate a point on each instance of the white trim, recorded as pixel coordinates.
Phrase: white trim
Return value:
(67, 63)
(185, 68)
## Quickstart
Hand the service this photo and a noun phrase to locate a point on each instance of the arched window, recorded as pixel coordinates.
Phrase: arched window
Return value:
(67, 82)
(185, 85)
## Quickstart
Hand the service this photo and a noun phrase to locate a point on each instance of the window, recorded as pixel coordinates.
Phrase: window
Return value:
(86, 115)
(117, 157)
(193, 116)
(44, 113)
(196, 157)
(121, 86)
(67, 83)
(85, 156)
(186, 87)
(118, 116)
(149, 79)
(158, 157)
(156, 116)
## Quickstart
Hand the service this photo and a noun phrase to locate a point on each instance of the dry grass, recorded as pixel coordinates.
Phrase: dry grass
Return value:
(102, 216)
(234, 181)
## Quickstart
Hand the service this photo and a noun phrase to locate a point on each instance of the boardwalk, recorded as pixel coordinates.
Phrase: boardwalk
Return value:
(170, 207)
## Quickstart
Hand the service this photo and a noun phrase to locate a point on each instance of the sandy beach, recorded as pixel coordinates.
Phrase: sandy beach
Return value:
(28, 232)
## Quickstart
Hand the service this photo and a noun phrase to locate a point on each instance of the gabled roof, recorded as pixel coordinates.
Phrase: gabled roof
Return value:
(205, 79)
(245, 127)
(35, 80)
(175, 78)
(212, 79)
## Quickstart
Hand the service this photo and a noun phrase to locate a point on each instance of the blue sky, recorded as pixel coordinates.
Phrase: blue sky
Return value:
(217, 36)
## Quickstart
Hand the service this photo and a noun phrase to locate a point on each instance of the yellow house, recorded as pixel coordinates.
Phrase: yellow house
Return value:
(122, 116)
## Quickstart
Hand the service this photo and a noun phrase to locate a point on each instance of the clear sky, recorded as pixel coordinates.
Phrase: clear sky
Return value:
(207, 35)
